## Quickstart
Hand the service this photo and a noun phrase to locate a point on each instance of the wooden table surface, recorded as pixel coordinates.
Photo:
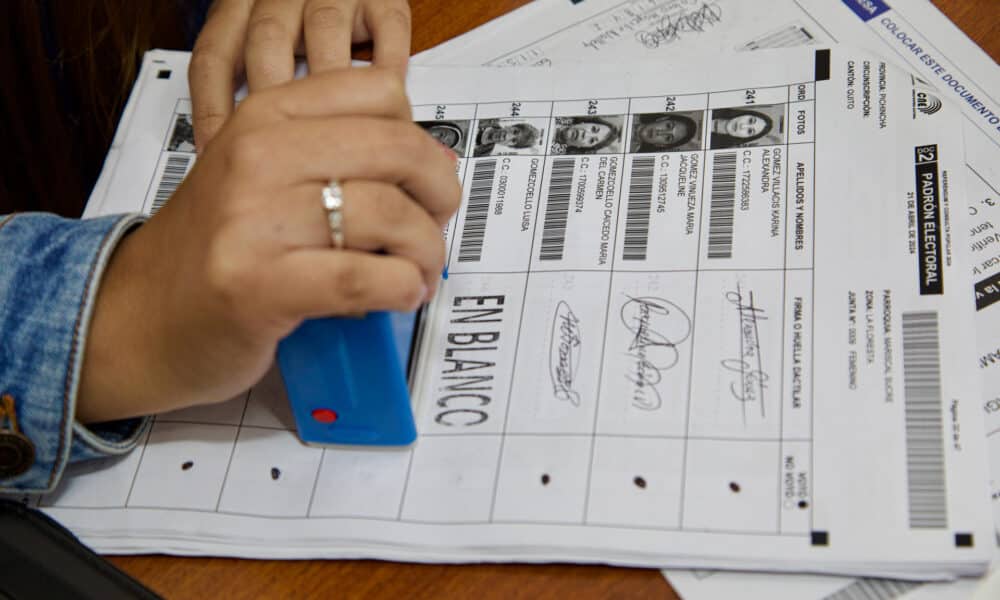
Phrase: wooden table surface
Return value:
(435, 21)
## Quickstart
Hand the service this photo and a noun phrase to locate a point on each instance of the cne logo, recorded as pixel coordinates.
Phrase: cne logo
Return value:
(927, 103)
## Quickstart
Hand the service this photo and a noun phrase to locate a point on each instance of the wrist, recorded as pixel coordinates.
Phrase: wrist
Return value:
(118, 373)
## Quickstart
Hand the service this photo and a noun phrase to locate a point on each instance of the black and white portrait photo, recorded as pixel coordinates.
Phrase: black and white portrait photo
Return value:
(495, 137)
(587, 135)
(667, 132)
(451, 134)
(182, 136)
(757, 125)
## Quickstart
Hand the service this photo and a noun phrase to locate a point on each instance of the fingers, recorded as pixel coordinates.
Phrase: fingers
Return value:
(216, 59)
(319, 282)
(261, 38)
(354, 91)
(327, 25)
(388, 23)
(343, 148)
(271, 36)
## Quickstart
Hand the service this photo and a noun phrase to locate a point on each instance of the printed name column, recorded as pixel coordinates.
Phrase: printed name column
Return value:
(639, 450)
(462, 398)
(545, 464)
(734, 428)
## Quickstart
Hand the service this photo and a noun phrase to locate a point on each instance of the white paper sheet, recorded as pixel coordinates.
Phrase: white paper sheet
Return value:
(692, 585)
(781, 442)
(914, 33)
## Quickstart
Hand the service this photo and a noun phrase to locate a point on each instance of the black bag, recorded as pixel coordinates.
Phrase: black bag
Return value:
(39, 558)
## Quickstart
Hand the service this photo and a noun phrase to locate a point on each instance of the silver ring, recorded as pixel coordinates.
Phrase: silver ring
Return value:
(333, 204)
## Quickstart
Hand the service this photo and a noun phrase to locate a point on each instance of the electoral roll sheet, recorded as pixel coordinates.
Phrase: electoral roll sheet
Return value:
(711, 314)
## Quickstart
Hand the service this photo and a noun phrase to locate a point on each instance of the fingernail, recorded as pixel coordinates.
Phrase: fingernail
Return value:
(451, 153)
(424, 295)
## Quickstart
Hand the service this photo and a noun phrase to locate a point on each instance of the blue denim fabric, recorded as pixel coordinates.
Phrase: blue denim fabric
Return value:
(50, 269)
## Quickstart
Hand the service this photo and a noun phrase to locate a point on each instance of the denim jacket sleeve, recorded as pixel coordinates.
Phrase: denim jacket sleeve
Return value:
(50, 270)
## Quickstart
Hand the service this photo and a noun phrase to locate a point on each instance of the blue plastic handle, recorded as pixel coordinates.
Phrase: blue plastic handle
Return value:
(346, 379)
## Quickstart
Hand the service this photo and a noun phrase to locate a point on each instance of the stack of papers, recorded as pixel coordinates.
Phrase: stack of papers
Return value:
(712, 314)
(911, 33)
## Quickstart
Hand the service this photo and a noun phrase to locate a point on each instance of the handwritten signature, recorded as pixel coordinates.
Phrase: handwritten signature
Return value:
(671, 27)
(749, 387)
(658, 326)
(564, 353)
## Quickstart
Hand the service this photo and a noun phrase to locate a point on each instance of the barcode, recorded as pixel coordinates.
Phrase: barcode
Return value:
(173, 175)
(924, 441)
(720, 216)
(873, 589)
(640, 200)
(474, 230)
(557, 209)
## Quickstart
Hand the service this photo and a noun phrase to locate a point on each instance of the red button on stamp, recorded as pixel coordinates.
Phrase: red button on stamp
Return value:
(324, 415)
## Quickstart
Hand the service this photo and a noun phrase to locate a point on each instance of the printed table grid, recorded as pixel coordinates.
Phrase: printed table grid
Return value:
(594, 435)
(531, 268)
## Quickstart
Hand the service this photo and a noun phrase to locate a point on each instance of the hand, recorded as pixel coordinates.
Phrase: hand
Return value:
(260, 37)
(193, 303)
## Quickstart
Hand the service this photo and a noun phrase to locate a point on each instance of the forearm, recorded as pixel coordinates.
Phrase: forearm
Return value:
(50, 271)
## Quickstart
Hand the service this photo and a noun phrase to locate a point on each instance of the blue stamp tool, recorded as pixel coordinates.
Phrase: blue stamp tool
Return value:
(346, 379)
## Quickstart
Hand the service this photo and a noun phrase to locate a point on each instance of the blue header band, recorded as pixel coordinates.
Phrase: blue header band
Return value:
(867, 9)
